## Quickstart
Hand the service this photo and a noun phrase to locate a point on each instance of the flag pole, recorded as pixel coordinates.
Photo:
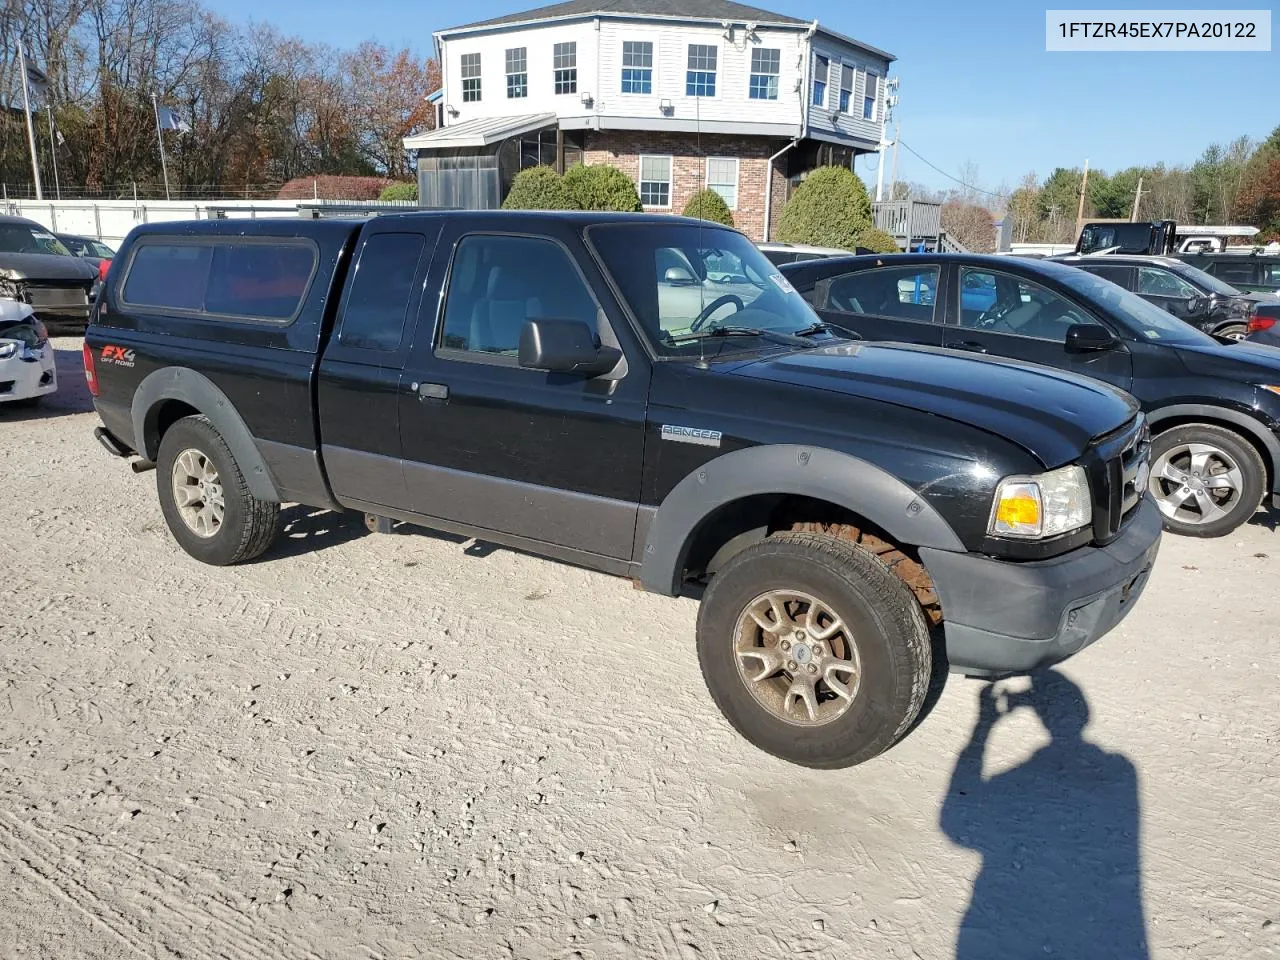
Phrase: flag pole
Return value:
(31, 130)
(53, 151)
(164, 169)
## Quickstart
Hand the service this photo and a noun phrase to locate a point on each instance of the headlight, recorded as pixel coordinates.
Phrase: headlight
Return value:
(8, 348)
(1036, 508)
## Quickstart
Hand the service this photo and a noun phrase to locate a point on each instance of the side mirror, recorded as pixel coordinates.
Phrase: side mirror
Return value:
(1089, 338)
(1196, 304)
(565, 346)
(677, 275)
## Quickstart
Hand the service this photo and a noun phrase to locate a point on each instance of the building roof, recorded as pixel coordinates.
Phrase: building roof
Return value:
(680, 9)
(479, 132)
(715, 11)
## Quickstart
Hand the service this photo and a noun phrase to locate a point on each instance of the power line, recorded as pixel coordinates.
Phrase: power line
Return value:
(937, 169)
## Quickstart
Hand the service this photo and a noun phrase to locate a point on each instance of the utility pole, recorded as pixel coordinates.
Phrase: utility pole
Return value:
(164, 169)
(26, 109)
(893, 176)
(880, 167)
(1137, 198)
(1084, 185)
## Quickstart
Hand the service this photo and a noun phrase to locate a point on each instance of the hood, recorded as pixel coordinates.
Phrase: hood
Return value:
(1244, 360)
(44, 266)
(1050, 413)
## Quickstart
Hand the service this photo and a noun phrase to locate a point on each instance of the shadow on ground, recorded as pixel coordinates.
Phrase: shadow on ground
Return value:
(1058, 834)
(306, 529)
(72, 395)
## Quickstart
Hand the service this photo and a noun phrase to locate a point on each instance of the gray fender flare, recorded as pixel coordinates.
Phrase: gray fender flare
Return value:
(198, 391)
(1247, 424)
(792, 470)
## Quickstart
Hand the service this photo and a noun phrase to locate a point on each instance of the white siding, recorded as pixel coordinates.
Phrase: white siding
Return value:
(539, 43)
(733, 70)
(850, 123)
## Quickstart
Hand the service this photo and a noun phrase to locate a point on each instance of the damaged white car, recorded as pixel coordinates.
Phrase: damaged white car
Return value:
(27, 370)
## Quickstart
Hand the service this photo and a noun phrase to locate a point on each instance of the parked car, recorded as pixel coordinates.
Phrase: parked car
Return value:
(27, 370)
(36, 268)
(1248, 272)
(95, 251)
(780, 253)
(1264, 324)
(512, 376)
(1214, 409)
(1189, 294)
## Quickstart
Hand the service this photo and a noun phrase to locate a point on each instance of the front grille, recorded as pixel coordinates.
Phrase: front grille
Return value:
(1118, 476)
(45, 296)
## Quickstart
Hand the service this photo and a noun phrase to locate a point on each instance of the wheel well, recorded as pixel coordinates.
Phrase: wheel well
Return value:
(1247, 435)
(738, 525)
(160, 418)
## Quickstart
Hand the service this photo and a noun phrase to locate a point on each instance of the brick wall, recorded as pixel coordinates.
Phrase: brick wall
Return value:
(689, 154)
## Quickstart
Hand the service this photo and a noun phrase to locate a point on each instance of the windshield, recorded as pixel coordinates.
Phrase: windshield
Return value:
(683, 282)
(1143, 319)
(1205, 281)
(24, 238)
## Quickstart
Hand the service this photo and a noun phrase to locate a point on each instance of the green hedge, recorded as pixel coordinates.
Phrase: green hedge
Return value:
(877, 241)
(709, 205)
(829, 209)
(602, 187)
(539, 188)
(400, 191)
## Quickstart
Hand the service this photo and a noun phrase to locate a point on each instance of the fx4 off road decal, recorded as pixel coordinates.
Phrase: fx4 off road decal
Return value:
(708, 438)
(118, 355)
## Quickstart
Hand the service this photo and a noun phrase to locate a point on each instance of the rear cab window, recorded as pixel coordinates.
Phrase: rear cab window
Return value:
(237, 278)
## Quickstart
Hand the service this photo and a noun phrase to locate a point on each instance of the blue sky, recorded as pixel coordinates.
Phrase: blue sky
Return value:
(977, 83)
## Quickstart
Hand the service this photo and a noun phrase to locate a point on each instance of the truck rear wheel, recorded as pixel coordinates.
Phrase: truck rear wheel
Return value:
(813, 650)
(206, 500)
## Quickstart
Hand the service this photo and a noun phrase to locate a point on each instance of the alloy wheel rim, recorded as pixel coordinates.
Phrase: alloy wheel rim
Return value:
(797, 658)
(1196, 483)
(197, 493)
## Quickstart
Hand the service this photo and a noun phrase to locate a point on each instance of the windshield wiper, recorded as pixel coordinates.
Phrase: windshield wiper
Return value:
(825, 326)
(773, 336)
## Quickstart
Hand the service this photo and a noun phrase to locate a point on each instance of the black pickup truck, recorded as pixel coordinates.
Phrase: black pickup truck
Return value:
(649, 397)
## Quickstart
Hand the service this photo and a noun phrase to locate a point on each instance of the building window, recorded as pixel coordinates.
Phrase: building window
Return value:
(764, 73)
(869, 99)
(637, 66)
(470, 77)
(722, 177)
(655, 181)
(700, 80)
(846, 87)
(565, 63)
(517, 73)
(821, 70)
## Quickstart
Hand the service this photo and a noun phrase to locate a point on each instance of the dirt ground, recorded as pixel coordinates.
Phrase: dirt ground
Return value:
(407, 746)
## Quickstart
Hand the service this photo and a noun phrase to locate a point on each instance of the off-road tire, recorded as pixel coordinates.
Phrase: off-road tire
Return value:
(249, 525)
(1238, 448)
(887, 625)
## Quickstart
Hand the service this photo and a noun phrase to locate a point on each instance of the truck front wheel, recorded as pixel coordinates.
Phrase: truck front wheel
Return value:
(205, 498)
(814, 650)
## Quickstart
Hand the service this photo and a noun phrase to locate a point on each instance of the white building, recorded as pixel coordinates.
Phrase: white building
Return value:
(679, 95)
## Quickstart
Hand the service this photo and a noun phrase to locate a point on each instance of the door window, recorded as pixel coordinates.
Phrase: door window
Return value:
(903, 293)
(381, 290)
(1154, 282)
(1014, 305)
(498, 283)
(1229, 272)
(1122, 276)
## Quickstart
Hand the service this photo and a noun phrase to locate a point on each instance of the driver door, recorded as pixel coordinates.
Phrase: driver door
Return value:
(1169, 291)
(1004, 315)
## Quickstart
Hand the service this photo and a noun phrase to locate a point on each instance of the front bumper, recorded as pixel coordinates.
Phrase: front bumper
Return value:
(30, 373)
(1003, 617)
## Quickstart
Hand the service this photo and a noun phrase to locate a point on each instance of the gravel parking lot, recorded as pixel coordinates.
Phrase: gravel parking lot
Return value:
(406, 745)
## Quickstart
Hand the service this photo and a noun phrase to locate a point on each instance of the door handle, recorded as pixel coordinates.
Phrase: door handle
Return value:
(430, 391)
(972, 345)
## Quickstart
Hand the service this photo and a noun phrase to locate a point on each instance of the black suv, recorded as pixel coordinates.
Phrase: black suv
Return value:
(1214, 408)
(1248, 272)
(1189, 294)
